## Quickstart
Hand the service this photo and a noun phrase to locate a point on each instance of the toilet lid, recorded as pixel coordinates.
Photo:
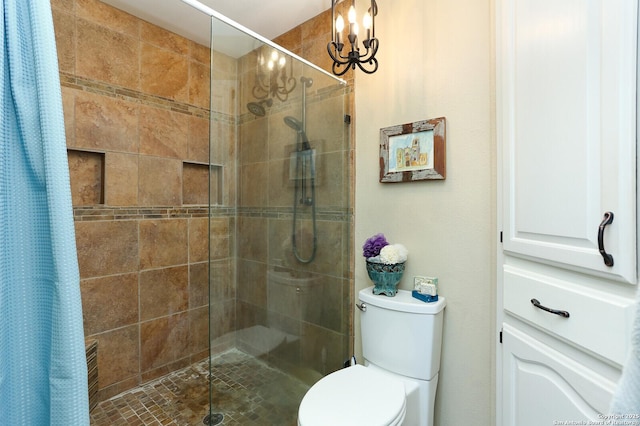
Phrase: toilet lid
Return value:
(354, 396)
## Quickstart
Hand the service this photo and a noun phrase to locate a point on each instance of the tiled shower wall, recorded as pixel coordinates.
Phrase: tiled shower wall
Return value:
(136, 105)
(309, 303)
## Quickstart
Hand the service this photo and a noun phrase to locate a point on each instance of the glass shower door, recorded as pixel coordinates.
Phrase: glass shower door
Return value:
(279, 227)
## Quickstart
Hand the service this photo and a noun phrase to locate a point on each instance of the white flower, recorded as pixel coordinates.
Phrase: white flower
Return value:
(393, 253)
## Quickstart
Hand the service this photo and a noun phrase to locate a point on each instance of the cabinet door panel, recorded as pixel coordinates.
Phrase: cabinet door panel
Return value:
(541, 386)
(566, 108)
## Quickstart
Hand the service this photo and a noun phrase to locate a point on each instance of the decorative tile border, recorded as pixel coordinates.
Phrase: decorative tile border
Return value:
(94, 213)
(130, 95)
(97, 213)
(326, 214)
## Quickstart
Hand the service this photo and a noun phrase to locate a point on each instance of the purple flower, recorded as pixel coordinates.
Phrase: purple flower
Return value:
(373, 245)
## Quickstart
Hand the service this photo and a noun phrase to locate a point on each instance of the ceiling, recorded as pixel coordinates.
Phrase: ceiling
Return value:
(268, 18)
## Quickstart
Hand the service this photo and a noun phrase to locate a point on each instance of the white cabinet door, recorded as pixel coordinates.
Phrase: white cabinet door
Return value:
(544, 387)
(566, 97)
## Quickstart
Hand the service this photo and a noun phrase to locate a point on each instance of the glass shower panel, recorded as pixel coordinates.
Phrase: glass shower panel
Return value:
(279, 225)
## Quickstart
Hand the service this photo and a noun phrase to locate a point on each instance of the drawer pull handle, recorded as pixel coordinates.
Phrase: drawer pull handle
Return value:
(536, 303)
(608, 219)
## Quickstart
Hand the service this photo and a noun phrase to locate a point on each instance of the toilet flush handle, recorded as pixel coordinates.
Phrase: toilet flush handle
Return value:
(362, 306)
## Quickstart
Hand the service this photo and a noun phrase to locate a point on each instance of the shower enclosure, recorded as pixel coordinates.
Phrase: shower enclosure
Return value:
(279, 216)
(211, 185)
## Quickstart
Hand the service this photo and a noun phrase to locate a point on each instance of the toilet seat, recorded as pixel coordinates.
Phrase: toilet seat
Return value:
(354, 396)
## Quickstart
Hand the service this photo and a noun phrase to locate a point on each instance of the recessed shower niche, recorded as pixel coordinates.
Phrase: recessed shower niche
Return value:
(86, 170)
(196, 185)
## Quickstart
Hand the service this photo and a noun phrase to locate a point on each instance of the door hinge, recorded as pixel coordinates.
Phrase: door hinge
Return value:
(500, 336)
(500, 236)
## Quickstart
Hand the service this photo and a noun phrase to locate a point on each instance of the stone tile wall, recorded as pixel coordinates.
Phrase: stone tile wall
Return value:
(136, 105)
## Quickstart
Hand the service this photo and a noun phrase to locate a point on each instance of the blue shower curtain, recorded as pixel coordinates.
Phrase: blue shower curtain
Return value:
(43, 370)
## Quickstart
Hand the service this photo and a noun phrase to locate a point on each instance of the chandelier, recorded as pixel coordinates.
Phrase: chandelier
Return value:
(365, 60)
(274, 76)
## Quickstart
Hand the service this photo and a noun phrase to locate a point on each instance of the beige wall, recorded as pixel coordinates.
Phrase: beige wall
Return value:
(439, 64)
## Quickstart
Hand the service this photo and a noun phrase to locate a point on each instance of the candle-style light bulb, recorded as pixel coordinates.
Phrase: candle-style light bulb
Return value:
(366, 23)
(339, 28)
(281, 62)
(339, 23)
(353, 25)
(351, 15)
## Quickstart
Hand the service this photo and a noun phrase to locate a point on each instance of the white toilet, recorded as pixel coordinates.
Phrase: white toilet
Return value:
(401, 344)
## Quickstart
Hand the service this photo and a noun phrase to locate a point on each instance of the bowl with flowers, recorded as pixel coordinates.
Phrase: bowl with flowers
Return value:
(385, 264)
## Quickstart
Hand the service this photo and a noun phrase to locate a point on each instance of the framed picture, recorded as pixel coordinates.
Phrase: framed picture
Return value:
(413, 151)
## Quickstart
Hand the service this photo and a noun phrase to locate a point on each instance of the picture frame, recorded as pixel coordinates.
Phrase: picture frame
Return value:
(413, 151)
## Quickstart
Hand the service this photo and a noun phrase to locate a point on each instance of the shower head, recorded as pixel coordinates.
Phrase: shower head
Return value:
(257, 109)
(297, 125)
(294, 123)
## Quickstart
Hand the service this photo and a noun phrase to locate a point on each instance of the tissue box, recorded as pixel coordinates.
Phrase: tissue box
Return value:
(424, 297)
(426, 285)
(425, 289)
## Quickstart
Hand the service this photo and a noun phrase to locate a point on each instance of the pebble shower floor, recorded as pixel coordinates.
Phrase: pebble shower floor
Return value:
(245, 390)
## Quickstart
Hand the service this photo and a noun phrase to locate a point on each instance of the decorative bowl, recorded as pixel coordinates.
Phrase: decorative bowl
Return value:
(385, 277)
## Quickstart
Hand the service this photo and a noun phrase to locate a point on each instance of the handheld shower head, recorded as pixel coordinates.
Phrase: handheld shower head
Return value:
(297, 125)
(294, 123)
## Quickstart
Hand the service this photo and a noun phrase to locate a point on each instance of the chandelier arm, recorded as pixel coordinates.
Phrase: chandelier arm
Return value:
(336, 65)
(282, 96)
(371, 51)
(374, 44)
(291, 81)
(333, 57)
(340, 58)
(258, 91)
(284, 92)
(373, 61)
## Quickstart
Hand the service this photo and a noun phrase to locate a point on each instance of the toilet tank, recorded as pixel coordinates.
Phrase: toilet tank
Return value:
(402, 334)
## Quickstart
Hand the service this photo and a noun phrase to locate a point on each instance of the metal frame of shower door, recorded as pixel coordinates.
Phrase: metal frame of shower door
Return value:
(214, 14)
